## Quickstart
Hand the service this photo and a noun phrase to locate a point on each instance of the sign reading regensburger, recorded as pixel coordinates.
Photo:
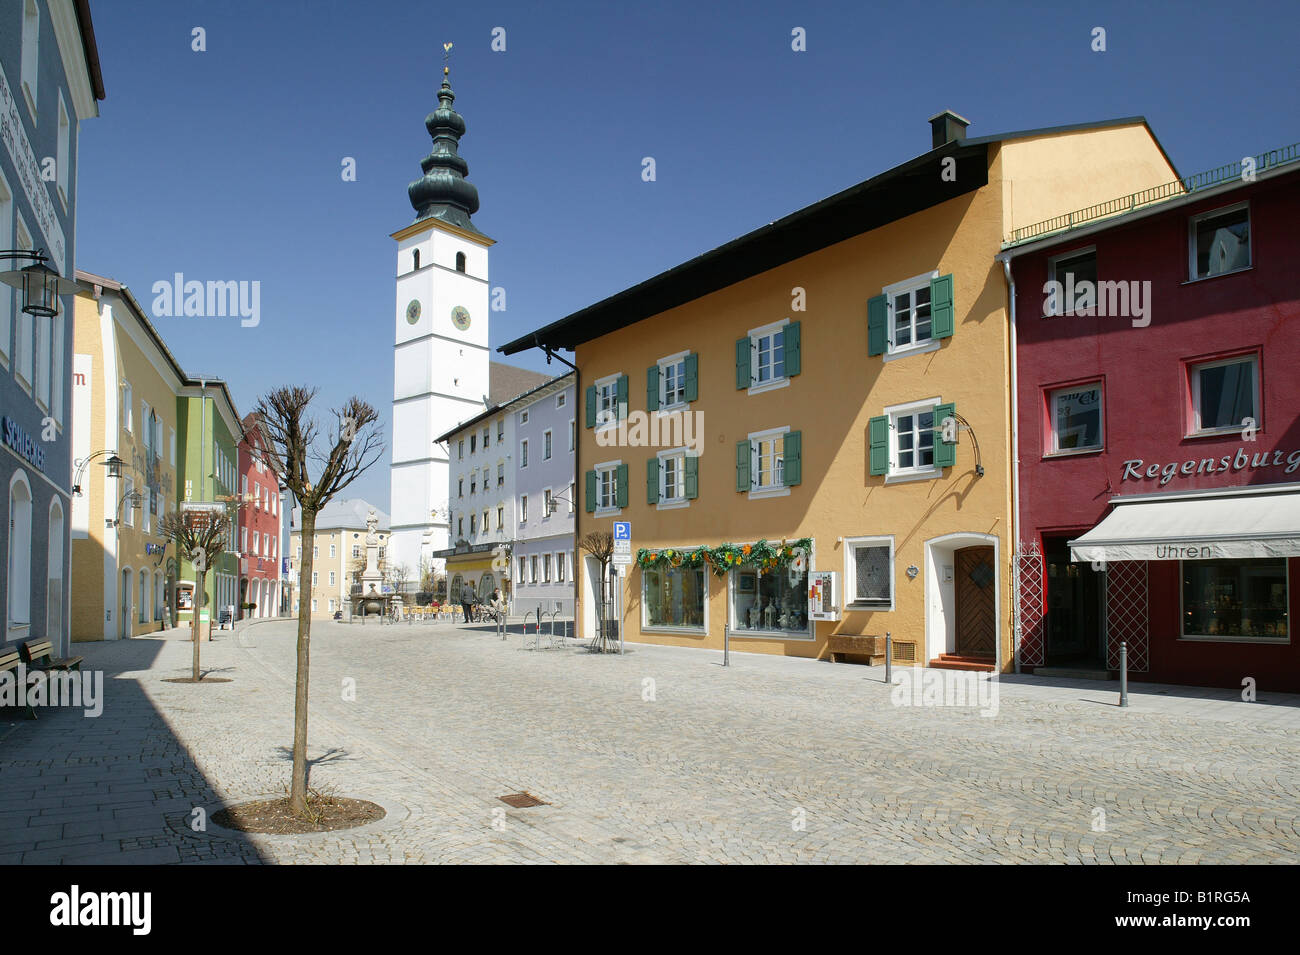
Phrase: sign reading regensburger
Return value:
(1138, 469)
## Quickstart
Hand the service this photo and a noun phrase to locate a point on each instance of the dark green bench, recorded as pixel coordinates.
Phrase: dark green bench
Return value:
(41, 656)
(10, 660)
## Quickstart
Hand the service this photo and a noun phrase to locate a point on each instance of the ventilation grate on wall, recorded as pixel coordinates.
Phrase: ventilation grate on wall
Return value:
(904, 652)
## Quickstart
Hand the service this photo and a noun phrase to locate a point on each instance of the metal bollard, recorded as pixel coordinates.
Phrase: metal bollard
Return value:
(1123, 673)
(889, 659)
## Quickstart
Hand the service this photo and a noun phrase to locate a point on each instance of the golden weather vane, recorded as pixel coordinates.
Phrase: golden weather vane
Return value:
(446, 57)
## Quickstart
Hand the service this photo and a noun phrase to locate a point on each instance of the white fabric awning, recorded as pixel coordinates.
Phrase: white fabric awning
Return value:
(1248, 522)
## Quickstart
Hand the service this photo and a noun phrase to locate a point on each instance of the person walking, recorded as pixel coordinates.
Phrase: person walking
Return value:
(466, 600)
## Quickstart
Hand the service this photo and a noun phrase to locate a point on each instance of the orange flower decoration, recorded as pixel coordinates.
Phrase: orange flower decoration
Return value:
(745, 550)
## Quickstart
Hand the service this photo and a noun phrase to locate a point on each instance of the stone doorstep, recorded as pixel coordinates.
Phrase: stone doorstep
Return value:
(1075, 673)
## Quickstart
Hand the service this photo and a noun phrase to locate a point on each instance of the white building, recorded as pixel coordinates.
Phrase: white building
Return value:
(440, 363)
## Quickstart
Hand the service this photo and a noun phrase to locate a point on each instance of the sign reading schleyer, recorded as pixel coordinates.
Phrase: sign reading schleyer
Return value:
(1138, 470)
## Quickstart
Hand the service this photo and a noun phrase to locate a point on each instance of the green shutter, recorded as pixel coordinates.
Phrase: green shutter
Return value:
(692, 477)
(878, 438)
(621, 408)
(620, 492)
(652, 480)
(692, 377)
(743, 376)
(941, 316)
(792, 448)
(743, 452)
(877, 325)
(790, 338)
(591, 492)
(591, 406)
(652, 388)
(945, 455)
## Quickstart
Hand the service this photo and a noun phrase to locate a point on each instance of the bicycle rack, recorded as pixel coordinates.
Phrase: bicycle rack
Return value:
(537, 644)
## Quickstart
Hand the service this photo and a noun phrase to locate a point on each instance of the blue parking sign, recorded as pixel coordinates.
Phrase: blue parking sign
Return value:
(622, 530)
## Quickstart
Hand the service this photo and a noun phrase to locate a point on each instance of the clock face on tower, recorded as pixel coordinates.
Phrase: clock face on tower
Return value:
(460, 317)
(413, 311)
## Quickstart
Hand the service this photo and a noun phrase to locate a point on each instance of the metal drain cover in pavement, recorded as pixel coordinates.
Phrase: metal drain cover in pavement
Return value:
(522, 800)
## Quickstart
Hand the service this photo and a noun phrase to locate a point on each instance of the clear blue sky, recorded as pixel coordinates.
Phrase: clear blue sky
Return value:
(226, 164)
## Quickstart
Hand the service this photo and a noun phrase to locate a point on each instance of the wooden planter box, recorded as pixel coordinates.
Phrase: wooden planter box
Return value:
(873, 648)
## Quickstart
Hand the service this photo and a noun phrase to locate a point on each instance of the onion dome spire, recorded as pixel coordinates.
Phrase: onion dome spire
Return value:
(442, 192)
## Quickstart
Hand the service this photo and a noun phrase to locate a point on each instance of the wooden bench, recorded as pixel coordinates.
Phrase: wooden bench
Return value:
(12, 661)
(41, 656)
(842, 646)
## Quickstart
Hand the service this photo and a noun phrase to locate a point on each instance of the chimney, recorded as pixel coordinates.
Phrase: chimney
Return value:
(946, 127)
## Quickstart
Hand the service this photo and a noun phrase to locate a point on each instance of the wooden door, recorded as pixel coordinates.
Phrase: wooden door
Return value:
(976, 589)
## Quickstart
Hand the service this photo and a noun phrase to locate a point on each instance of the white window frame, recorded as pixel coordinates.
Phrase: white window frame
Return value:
(523, 508)
(1192, 222)
(896, 475)
(609, 382)
(1053, 450)
(548, 444)
(668, 362)
(25, 333)
(757, 492)
(1194, 383)
(573, 433)
(560, 565)
(523, 453)
(850, 602)
(893, 351)
(757, 634)
(609, 467)
(30, 67)
(664, 502)
(661, 628)
(523, 417)
(573, 493)
(8, 296)
(757, 387)
(546, 568)
(547, 496)
(1057, 309)
(62, 153)
(561, 399)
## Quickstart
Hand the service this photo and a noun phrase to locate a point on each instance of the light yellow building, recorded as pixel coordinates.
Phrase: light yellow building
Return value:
(125, 384)
(340, 549)
(840, 383)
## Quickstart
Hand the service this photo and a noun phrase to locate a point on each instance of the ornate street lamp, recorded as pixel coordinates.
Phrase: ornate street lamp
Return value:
(41, 285)
(113, 463)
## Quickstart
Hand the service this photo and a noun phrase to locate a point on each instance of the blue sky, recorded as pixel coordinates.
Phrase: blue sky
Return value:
(225, 164)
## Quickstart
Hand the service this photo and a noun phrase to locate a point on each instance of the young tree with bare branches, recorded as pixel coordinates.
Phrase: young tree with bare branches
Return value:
(201, 536)
(600, 545)
(295, 443)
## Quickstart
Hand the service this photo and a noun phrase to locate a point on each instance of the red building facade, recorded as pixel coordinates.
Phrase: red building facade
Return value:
(259, 526)
(1158, 434)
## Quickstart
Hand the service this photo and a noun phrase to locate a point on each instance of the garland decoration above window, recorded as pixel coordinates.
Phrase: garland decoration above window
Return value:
(763, 556)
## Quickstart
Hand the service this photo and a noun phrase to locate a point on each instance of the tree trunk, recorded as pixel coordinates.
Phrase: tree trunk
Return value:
(298, 788)
(198, 602)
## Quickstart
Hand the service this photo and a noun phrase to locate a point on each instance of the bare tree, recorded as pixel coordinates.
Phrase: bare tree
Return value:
(201, 536)
(600, 545)
(295, 442)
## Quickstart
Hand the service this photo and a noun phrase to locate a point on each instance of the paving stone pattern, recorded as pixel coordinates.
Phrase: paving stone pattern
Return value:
(660, 755)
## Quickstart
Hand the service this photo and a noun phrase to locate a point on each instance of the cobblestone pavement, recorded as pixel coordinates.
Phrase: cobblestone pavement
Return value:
(660, 755)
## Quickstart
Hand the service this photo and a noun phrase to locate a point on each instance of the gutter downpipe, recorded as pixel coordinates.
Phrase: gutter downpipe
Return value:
(1005, 259)
(577, 450)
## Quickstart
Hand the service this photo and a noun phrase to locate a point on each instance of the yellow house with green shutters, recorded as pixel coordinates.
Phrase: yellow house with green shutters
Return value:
(808, 428)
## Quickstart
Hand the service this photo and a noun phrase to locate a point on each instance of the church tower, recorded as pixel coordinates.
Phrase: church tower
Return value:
(440, 359)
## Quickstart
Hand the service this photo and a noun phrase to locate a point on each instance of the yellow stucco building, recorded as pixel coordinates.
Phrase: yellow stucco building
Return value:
(125, 383)
(840, 379)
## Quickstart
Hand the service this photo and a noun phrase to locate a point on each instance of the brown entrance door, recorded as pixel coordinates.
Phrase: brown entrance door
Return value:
(976, 587)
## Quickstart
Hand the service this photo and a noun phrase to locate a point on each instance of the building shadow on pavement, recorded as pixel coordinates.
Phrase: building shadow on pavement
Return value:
(117, 788)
